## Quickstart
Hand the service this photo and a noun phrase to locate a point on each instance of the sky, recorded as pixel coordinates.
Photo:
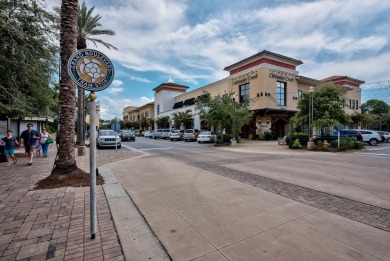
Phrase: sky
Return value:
(189, 42)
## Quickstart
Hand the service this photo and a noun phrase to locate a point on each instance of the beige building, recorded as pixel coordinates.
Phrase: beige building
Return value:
(133, 113)
(272, 84)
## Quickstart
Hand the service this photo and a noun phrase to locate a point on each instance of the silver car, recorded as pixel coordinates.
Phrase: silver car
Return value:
(108, 138)
(205, 136)
(176, 135)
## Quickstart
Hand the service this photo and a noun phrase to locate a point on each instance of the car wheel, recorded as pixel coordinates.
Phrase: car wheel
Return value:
(373, 142)
(199, 142)
(185, 140)
(388, 140)
(119, 146)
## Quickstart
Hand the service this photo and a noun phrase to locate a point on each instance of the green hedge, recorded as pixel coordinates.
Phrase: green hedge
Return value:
(302, 137)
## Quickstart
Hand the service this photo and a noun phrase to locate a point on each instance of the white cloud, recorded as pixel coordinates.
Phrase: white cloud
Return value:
(114, 90)
(116, 83)
(111, 108)
(365, 69)
(140, 79)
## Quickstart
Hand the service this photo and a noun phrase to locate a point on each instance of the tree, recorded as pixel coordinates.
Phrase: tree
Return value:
(221, 110)
(66, 162)
(377, 113)
(87, 27)
(376, 107)
(27, 60)
(183, 118)
(328, 107)
(162, 122)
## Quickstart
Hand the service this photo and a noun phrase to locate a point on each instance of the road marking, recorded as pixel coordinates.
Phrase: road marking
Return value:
(373, 154)
(159, 148)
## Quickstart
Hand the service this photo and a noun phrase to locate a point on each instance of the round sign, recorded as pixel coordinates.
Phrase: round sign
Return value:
(91, 70)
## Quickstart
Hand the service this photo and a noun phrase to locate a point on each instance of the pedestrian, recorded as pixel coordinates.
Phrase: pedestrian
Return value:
(45, 146)
(38, 150)
(30, 139)
(9, 149)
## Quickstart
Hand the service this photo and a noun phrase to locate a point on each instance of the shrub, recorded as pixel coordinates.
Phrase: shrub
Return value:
(296, 144)
(238, 139)
(303, 137)
(250, 136)
(261, 136)
(268, 135)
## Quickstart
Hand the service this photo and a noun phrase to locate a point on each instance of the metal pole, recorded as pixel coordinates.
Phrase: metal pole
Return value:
(234, 118)
(116, 136)
(311, 111)
(92, 163)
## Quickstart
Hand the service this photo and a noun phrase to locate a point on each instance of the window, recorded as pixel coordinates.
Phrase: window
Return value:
(353, 104)
(158, 109)
(281, 93)
(244, 94)
(146, 114)
(357, 105)
(299, 94)
(350, 103)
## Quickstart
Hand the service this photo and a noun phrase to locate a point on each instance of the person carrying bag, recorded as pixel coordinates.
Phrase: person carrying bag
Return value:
(45, 141)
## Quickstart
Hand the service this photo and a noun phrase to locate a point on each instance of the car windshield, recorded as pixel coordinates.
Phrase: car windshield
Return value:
(107, 133)
(127, 132)
(205, 133)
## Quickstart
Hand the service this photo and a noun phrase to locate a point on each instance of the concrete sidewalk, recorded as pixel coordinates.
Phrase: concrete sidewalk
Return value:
(197, 214)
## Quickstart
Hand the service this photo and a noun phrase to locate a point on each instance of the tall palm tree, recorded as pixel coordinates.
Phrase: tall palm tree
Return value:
(66, 162)
(87, 28)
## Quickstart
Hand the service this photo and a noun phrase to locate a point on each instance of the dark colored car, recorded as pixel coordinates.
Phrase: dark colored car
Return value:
(127, 135)
(333, 135)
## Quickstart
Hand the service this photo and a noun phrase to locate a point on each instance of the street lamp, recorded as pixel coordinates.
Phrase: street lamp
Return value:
(311, 110)
(234, 118)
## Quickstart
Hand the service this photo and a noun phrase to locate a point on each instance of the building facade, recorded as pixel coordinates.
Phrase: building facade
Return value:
(272, 84)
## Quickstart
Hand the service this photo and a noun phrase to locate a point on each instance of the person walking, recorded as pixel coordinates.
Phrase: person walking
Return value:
(9, 149)
(45, 146)
(30, 139)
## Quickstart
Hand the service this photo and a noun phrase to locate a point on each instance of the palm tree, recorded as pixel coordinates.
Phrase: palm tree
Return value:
(184, 118)
(66, 161)
(87, 27)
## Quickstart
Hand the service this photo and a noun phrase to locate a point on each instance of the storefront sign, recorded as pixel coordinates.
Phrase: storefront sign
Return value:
(281, 78)
(91, 70)
(244, 80)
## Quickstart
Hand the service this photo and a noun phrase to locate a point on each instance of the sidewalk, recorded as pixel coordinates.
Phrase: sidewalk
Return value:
(53, 224)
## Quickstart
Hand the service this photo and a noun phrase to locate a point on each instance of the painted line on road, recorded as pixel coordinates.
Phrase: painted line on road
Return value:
(159, 148)
(373, 154)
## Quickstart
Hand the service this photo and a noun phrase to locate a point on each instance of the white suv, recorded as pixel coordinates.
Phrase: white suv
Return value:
(370, 136)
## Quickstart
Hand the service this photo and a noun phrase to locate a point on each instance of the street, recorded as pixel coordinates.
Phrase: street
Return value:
(250, 201)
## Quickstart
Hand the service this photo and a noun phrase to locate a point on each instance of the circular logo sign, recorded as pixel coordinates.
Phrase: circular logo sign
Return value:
(91, 70)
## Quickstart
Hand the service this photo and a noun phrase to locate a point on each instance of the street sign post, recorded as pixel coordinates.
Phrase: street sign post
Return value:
(91, 70)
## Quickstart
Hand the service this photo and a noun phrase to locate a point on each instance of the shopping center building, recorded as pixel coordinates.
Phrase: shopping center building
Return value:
(270, 81)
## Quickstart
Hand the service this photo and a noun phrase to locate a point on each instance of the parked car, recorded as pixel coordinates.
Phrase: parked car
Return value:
(205, 136)
(190, 134)
(146, 134)
(333, 135)
(176, 135)
(154, 135)
(127, 135)
(137, 132)
(108, 138)
(385, 136)
(371, 137)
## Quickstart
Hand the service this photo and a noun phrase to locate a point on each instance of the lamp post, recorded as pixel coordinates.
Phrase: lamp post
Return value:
(311, 111)
(234, 141)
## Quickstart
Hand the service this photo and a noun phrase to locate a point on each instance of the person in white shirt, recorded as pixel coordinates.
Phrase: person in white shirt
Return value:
(44, 136)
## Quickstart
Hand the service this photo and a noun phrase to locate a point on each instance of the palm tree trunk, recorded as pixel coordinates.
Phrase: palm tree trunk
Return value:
(81, 44)
(66, 161)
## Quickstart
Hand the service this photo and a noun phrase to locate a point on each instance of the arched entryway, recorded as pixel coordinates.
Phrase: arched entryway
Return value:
(280, 125)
